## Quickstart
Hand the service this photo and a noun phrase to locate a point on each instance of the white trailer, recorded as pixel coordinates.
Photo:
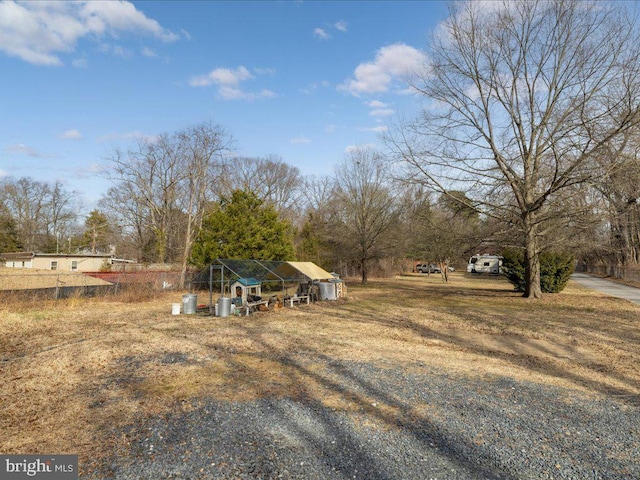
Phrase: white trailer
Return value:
(485, 264)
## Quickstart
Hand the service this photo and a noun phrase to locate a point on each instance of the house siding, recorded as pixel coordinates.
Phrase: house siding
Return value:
(64, 262)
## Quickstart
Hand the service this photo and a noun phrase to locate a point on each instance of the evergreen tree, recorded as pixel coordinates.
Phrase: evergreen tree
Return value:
(243, 227)
(555, 270)
(97, 231)
(9, 238)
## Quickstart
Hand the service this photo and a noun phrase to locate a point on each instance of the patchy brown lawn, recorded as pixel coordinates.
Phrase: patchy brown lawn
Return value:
(74, 371)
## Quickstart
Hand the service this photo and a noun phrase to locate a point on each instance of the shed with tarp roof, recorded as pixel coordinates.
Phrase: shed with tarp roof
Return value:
(302, 270)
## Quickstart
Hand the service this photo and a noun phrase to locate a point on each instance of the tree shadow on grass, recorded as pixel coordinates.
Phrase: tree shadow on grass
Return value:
(326, 412)
(521, 344)
(329, 406)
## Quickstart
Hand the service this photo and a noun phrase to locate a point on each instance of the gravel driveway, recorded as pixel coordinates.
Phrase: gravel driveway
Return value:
(414, 422)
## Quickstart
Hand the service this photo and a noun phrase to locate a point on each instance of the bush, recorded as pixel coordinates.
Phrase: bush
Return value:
(555, 270)
(513, 268)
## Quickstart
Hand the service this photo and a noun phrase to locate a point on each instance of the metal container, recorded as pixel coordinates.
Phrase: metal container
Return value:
(224, 306)
(189, 303)
(327, 291)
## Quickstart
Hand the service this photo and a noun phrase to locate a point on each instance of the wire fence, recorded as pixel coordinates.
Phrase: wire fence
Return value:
(58, 285)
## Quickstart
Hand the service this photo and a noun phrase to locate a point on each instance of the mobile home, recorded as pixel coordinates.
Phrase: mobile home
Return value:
(485, 264)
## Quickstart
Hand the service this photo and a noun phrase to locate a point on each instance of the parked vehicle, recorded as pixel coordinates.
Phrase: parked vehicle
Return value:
(427, 268)
(485, 264)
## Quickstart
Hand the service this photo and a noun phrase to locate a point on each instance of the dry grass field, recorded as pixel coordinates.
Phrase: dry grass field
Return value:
(28, 278)
(73, 372)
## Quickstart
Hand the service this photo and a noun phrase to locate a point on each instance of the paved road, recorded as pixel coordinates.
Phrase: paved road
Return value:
(608, 287)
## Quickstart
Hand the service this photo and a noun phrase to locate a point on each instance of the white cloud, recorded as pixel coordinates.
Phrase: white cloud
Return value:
(341, 25)
(321, 33)
(378, 129)
(312, 87)
(38, 32)
(376, 104)
(71, 135)
(361, 146)
(148, 52)
(222, 76)
(266, 93)
(231, 93)
(392, 63)
(22, 149)
(116, 50)
(80, 63)
(122, 16)
(379, 109)
(382, 112)
(330, 128)
(265, 71)
(228, 83)
(3, 174)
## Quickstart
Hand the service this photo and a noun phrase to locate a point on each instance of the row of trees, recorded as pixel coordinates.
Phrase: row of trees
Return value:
(359, 218)
(35, 215)
(528, 139)
(183, 200)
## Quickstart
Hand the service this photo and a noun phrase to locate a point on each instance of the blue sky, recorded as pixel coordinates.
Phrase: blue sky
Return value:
(304, 80)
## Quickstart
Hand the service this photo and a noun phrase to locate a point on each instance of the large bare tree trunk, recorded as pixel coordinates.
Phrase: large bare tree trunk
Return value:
(531, 258)
(363, 271)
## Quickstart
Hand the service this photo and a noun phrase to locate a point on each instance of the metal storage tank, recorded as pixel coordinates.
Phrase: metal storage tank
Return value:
(189, 303)
(327, 291)
(224, 306)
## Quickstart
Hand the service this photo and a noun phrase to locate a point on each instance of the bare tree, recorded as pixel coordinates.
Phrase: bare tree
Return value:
(165, 185)
(318, 191)
(129, 219)
(149, 175)
(366, 207)
(449, 230)
(62, 216)
(619, 188)
(314, 239)
(273, 180)
(523, 98)
(201, 151)
(43, 213)
(25, 200)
